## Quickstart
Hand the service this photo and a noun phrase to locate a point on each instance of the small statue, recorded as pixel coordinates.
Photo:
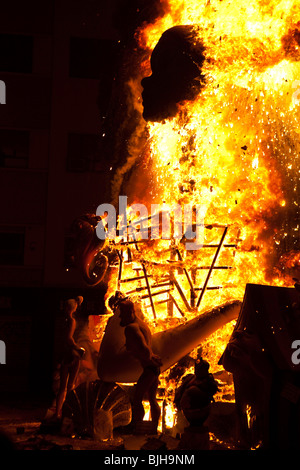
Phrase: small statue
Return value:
(83, 338)
(71, 356)
(138, 343)
(196, 393)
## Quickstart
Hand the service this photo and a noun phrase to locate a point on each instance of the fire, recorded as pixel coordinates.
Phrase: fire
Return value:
(225, 150)
(234, 150)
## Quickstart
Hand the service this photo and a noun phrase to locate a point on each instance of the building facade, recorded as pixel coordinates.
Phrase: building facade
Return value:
(57, 60)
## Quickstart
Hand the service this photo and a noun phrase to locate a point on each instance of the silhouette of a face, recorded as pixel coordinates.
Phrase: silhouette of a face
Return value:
(176, 73)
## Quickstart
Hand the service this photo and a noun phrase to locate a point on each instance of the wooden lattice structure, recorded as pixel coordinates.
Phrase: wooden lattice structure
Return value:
(148, 288)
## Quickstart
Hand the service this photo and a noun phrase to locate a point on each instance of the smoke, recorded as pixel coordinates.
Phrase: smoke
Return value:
(135, 143)
(127, 127)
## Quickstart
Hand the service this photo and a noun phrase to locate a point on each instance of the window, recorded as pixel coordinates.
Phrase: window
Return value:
(83, 152)
(12, 247)
(14, 148)
(16, 53)
(92, 58)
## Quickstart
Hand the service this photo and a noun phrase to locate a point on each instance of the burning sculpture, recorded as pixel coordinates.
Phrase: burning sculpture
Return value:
(176, 63)
(225, 135)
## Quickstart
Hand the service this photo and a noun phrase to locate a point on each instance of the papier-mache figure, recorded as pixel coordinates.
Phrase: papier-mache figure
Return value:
(196, 393)
(71, 355)
(138, 343)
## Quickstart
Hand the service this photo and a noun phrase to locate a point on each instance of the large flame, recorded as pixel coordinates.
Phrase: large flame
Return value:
(227, 149)
(234, 150)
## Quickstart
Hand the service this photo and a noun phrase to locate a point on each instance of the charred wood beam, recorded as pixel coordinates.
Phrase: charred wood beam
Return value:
(149, 290)
(212, 265)
(209, 288)
(184, 299)
(133, 242)
(216, 245)
(187, 275)
(176, 305)
(215, 267)
(120, 267)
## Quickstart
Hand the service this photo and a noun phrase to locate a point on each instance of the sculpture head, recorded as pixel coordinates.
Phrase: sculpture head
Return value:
(176, 63)
(71, 306)
(79, 300)
(127, 312)
(115, 299)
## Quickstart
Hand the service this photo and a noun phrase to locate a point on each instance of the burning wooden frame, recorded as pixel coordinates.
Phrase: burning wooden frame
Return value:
(115, 364)
(170, 282)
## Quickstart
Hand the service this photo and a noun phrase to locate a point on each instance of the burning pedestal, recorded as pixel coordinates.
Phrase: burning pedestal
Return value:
(95, 408)
(266, 381)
